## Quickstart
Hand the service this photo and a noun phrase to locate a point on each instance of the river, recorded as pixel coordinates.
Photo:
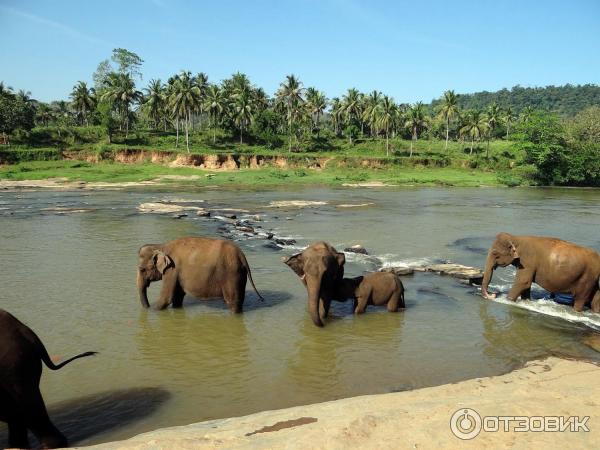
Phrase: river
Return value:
(71, 278)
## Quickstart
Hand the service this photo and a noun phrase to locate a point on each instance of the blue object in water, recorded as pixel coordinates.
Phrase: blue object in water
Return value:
(563, 299)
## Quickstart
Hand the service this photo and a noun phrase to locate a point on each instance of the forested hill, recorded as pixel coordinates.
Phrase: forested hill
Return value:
(565, 100)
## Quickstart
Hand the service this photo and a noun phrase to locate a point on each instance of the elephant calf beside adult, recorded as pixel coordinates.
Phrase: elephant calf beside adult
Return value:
(197, 266)
(320, 267)
(556, 265)
(378, 288)
(21, 404)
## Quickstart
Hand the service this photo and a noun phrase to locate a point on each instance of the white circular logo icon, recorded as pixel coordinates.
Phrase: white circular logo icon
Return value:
(465, 424)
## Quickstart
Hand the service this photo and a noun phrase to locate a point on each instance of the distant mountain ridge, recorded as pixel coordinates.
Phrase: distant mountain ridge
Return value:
(565, 100)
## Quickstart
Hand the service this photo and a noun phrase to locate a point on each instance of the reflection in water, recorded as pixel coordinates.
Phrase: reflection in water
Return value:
(72, 280)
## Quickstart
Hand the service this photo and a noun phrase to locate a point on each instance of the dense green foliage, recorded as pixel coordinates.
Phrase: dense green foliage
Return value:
(235, 114)
(565, 101)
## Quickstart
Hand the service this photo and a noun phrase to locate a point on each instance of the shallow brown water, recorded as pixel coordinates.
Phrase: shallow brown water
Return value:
(72, 279)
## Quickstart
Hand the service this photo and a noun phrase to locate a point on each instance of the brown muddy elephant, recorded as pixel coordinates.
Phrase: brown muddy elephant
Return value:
(197, 266)
(21, 404)
(556, 265)
(379, 288)
(320, 267)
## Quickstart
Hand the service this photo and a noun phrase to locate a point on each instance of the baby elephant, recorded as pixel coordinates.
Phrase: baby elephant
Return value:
(379, 288)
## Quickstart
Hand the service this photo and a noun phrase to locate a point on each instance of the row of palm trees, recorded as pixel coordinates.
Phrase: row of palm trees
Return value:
(186, 100)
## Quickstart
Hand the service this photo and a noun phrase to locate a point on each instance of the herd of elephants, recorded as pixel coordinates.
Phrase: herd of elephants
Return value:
(206, 268)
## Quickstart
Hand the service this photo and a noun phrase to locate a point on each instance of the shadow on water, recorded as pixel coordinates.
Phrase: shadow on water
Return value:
(83, 418)
(476, 245)
(251, 302)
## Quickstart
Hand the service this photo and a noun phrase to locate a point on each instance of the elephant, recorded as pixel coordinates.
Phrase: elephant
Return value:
(198, 266)
(379, 288)
(320, 267)
(556, 265)
(21, 404)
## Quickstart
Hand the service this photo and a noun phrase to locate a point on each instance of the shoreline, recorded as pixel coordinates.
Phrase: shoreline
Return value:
(411, 419)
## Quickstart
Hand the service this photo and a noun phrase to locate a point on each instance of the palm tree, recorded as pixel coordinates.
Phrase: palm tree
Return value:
(83, 100)
(370, 109)
(44, 114)
(493, 116)
(242, 111)
(201, 82)
(155, 102)
(415, 120)
(122, 93)
(183, 100)
(526, 114)
(290, 94)
(474, 125)
(448, 110)
(509, 118)
(215, 103)
(336, 114)
(316, 103)
(352, 107)
(386, 114)
(6, 91)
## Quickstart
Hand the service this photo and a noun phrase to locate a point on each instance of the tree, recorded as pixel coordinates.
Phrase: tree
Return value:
(155, 102)
(107, 120)
(493, 116)
(242, 111)
(415, 121)
(129, 63)
(526, 114)
(448, 110)
(352, 107)
(508, 118)
(290, 94)
(370, 109)
(121, 92)
(16, 111)
(100, 76)
(201, 82)
(83, 101)
(474, 125)
(316, 103)
(215, 104)
(386, 115)
(184, 99)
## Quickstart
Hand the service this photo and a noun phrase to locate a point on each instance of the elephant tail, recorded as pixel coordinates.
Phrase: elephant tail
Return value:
(46, 358)
(245, 263)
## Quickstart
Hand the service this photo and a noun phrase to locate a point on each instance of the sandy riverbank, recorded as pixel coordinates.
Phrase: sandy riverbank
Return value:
(412, 419)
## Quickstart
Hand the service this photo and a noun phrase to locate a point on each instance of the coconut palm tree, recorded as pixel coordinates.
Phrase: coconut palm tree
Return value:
(121, 92)
(526, 114)
(183, 100)
(215, 104)
(290, 94)
(201, 82)
(352, 106)
(370, 109)
(385, 113)
(474, 125)
(6, 91)
(448, 110)
(44, 114)
(83, 100)
(493, 116)
(242, 111)
(509, 118)
(415, 121)
(316, 103)
(336, 113)
(155, 102)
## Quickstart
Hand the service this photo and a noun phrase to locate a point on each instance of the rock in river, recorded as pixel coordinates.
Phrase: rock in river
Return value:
(357, 249)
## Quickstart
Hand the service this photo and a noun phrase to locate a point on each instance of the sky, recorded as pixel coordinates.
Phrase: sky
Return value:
(413, 51)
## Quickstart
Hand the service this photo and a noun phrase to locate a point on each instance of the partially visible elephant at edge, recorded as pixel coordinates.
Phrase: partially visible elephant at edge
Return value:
(556, 265)
(379, 288)
(320, 267)
(197, 266)
(21, 404)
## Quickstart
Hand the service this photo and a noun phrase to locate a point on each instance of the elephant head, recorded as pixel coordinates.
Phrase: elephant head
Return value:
(152, 264)
(502, 253)
(320, 267)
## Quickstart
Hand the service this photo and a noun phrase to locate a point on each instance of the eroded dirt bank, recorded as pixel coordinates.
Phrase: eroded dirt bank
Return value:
(413, 419)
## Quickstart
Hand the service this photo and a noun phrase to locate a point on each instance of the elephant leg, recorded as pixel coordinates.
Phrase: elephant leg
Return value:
(178, 296)
(522, 283)
(394, 302)
(168, 290)
(361, 304)
(17, 435)
(233, 295)
(595, 305)
(526, 294)
(36, 419)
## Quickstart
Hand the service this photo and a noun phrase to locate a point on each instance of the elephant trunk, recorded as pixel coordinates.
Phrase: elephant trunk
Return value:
(313, 285)
(142, 286)
(490, 265)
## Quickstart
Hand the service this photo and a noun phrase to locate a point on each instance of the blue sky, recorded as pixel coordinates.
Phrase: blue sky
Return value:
(409, 50)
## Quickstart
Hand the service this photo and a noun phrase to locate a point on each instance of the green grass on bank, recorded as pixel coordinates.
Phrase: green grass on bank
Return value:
(115, 172)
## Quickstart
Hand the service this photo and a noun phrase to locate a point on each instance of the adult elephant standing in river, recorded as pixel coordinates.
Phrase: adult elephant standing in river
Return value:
(21, 404)
(320, 267)
(200, 267)
(556, 265)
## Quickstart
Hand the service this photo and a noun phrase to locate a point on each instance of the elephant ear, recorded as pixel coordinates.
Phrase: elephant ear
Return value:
(296, 263)
(162, 261)
(341, 259)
